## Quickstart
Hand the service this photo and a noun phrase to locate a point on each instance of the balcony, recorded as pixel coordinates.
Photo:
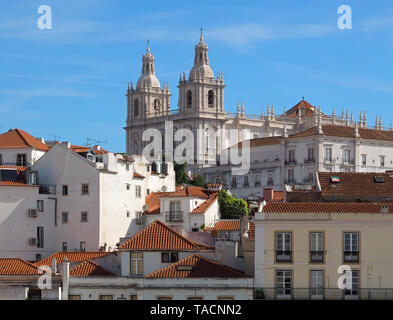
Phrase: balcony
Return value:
(284, 256)
(316, 256)
(309, 160)
(290, 162)
(47, 189)
(351, 256)
(174, 216)
(320, 293)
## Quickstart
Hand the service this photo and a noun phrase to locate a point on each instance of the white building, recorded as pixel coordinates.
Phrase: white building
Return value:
(66, 202)
(294, 159)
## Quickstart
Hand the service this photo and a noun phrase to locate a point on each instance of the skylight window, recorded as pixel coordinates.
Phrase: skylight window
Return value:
(379, 179)
(184, 268)
(335, 179)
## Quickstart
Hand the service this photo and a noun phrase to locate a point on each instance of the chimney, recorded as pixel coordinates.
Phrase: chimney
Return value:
(268, 194)
(66, 144)
(54, 266)
(66, 279)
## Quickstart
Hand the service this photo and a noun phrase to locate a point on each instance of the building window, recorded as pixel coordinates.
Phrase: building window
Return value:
(21, 160)
(33, 178)
(147, 191)
(310, 154)
(257, 180)
(290, 176)
(128, 214)
(225, 298)
(245, 181)
(328, 154)
(351, 247)
(64, 217)
(347, 156)
(353, 293)
(82, 246)
(136, 108)
(40, 237)
(234, 182)
(164, 298)
(65, 190)
(84, 216)
(195, 298)
(316, 284)
(382, 160)
(284, 284)
(316, 247)
(106, 297)
(283, 246)
(168, 257)
(270, 181)
(137, 191)
(291, 156)
(189, 99)
(175, 213)
(40, 205)
(85, 189)
(38, 257)
(210, 99)
(310, 177)
(136, 263)
(364, 160)
(74, 297)
(64, 247)
(133, 297)
(128, 186)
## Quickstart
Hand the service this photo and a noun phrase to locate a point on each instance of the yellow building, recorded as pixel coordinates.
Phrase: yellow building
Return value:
(299, 248)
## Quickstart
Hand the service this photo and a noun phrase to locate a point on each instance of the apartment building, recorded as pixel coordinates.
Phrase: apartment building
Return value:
(300, 246)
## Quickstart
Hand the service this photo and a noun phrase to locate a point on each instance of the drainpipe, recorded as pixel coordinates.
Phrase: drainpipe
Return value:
(66, 279)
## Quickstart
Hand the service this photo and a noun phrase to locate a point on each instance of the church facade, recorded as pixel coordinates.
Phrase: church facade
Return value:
(201, 109)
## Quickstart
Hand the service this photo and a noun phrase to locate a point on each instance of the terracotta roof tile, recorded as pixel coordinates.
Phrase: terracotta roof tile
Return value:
(307, 109)
(260, 142)
(188, 191)
(138, 175)
(225, 225)
(325, 207)
(347, 132)
(89, 268)
(196, 266)
(205, 204)
(153, 202)
(16, 266)
(355, 184)
(16, 138)
(71, 256)
(158, 236)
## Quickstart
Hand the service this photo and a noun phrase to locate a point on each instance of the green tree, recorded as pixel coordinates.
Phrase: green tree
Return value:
(198, 181)
(180, 171)
(231, 207)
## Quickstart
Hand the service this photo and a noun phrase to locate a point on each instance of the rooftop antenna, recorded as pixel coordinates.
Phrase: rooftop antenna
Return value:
(55, 137)
(90, 140)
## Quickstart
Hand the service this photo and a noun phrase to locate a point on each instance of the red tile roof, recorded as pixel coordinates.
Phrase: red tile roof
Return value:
(153, 202)
(260, 142)
(347, 132)
(89, 268)
(307, 109)
(71, 256)
(196, 266)
(158, 236)
(225, 225)
(355, 184)
(188, 191)
(202, 208)
(137, 175)
(325, 207)
(16, 138)
(84, 149)
(16, 266)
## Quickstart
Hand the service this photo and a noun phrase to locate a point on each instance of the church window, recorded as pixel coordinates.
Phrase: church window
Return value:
(136, 108)
(210, 99)
(189, 98)
(156, 104)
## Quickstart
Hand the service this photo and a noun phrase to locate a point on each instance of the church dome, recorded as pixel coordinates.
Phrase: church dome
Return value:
(203, 71)
(148, 81)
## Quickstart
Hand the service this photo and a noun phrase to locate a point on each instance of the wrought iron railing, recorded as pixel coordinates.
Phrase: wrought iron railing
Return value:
(316, 256)
(284, 256)
(174, 216)
(323, 294)
(351, 256)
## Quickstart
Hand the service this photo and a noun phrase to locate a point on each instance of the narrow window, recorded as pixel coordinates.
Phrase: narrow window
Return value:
(64, 217)
(85, 189)
(82, 246)
(84, 216)
(40, 205)
(189, 99)
(136, 108)
(136, 263)
(283, 247)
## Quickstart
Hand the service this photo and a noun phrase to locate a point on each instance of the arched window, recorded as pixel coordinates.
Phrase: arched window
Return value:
(136, 108)
(210, 98)
(189, 99)
(157, 104)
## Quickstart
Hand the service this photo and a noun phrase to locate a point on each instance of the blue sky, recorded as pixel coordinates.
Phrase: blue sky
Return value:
(70, 81)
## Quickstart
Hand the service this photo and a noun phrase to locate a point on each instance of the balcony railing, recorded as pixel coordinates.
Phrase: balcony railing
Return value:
(284, 256)
(174, 216)
(316, 256)
(319, 293)
(47, 189)
(290, 162)
(309, 160)
(351, 256)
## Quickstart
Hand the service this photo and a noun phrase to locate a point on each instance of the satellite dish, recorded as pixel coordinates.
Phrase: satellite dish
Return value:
(164, 188)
